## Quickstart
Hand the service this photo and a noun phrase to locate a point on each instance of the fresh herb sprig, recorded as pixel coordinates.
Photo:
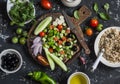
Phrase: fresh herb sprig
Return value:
(106, 7)
(21, 12)
(102, 15)
(95, 7)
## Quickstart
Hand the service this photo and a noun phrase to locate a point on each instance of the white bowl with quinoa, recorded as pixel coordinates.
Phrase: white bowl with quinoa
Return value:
(109, 39)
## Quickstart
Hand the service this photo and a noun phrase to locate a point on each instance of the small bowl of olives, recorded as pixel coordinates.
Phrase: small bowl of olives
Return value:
(10, 61)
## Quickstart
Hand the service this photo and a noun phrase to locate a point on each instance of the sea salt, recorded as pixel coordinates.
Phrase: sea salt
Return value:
(4, 37)
(116, 17)
(118, 3)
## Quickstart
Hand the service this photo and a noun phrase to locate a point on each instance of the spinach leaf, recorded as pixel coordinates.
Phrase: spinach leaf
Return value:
(104, 16)
(106, 6)
(95, 7)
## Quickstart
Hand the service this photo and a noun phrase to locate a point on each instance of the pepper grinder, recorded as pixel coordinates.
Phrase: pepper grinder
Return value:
(71, 3)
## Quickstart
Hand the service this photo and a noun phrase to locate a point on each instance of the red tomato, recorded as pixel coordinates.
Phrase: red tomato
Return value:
(51, 26)
(50, 50)
(62, 52)
(42, 34)
(68, 30)
(60, 42)
(46, 4)
(89, 31)
(42, 60)
(56, 38)
(60, 27)
(94, 22)
(64, 38)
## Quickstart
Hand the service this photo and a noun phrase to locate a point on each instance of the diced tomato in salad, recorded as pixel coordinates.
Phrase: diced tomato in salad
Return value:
(60, 42)
(56, 36)
(64, 38)
(68, 30)
(62, 52)
(51, 26)
(42, 34)
(50, 50)
(60, 27)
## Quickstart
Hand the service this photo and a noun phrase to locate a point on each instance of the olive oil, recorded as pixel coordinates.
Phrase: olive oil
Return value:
(78, 79)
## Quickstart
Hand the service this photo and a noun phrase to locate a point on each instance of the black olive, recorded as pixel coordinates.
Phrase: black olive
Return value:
(8, 54)
(4, 57)
(11, 69)
(16, 60)
(14, 65)
(74, 48)
(10, 57)
(70, 35)
(4, 66)
(8, 66)
(67, 44)
(13, 62)
(14, 55)
(10, 61)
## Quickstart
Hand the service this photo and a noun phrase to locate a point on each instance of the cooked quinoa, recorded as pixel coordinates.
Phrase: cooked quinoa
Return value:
(110, 41)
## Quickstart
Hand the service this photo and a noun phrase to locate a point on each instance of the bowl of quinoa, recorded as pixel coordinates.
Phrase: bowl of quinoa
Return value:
(109, 40)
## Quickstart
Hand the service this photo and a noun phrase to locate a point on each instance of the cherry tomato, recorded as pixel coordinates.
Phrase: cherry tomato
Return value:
(89, 31)
(60, 27)
(42, 60)
(62, 52)
(68, 30)
(56, 38)
(94, 22)
(51, 26)
(42, 34)
(60, 42)
(50, 50)
(64, 38)
(46, 4)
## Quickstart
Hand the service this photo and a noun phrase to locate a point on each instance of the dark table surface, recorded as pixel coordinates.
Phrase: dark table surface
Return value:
(102, 74)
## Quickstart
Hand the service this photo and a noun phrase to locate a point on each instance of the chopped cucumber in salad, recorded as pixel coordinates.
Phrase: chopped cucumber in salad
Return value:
(58, 42)
(59, 38)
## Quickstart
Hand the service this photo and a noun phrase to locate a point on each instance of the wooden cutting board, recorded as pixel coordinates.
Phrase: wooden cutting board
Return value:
(84, 13)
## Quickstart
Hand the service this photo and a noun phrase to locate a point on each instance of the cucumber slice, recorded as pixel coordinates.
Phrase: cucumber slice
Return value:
(51, 62)
(59, 62)
(42, 25)
(56, 60)
(76, 14)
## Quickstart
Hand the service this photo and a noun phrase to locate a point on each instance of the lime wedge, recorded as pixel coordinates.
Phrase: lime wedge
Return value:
(76, 14)
(42, 25)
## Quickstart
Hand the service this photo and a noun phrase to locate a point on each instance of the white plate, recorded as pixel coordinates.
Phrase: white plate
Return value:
(96, 48)
(10, 5)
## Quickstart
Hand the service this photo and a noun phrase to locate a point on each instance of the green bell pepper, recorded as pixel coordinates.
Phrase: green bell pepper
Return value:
(41, 77)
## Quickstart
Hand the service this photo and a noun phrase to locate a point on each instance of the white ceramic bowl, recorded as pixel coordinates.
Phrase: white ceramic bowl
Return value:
(4, 52)
(96, 48)
(71, 3)
(10, 5)
(81, 74)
